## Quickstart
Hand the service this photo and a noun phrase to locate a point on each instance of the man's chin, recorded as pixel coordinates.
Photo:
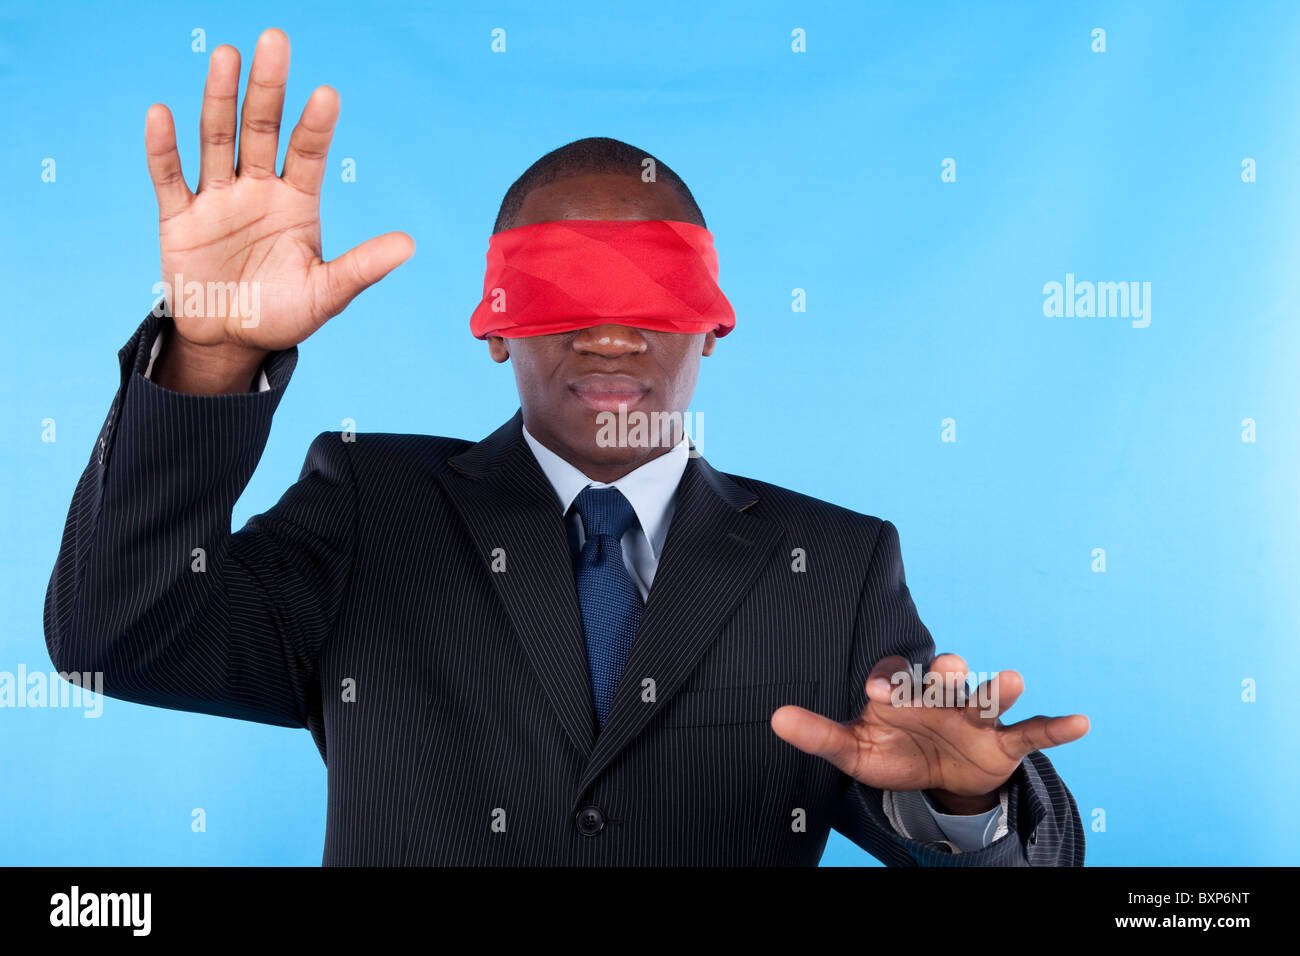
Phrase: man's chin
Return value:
(607, 448)
(614, 455)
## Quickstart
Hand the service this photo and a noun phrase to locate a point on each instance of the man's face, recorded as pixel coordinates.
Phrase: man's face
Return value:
(567, 380)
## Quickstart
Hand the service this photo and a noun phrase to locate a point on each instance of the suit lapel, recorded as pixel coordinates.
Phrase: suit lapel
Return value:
(507, 502)
(711, 558)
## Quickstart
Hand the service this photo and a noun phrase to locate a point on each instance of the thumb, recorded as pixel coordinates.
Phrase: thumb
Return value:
(361, 267)
(817, 735)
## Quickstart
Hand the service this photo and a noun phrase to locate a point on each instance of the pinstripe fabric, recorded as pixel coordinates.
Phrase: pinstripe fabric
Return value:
(433, 576)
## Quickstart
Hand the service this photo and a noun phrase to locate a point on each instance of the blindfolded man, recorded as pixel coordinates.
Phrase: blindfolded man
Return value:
(575, 641)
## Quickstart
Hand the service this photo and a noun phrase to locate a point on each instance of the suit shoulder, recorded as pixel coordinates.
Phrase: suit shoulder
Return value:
(797, 510)
(390, 451)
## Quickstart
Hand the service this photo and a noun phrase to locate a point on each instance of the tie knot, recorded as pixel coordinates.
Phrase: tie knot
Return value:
(604, 511)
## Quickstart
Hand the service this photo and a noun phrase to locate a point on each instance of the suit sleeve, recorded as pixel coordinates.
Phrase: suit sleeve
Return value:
(1043, 825)
(150, 587)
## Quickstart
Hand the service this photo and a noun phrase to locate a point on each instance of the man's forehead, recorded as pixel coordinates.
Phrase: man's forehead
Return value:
(601, 196)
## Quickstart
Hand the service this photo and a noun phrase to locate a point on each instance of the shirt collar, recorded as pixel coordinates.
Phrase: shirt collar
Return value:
(649, 489)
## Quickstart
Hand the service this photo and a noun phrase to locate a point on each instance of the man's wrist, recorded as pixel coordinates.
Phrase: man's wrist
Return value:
(182, 366)
(957, 804)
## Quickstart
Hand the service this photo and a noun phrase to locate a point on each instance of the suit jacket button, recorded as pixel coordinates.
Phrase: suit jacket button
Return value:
(590, 821)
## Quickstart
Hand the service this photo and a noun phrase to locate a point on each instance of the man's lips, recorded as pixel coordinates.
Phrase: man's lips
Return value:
(605, 392)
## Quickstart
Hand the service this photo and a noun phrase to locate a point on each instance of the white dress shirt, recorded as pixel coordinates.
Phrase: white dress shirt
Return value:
(652, 491)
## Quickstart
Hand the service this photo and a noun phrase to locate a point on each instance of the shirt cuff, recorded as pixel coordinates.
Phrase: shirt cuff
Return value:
(914, 817)
(263, 384)
(972, 831)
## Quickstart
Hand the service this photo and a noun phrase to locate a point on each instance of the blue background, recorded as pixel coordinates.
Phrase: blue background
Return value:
(818, 171)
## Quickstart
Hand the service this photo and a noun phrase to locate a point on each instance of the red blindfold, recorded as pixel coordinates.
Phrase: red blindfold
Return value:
(576, 273)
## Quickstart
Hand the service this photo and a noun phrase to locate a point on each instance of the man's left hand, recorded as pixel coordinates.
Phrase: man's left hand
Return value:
(958, 750)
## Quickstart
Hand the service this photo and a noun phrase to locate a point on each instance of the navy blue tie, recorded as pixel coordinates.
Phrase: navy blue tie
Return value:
(610, 600)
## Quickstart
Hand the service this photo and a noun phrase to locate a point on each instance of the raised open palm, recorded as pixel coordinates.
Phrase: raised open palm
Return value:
(248, 226)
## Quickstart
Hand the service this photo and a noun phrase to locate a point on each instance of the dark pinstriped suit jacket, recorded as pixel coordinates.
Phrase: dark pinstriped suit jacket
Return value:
(471, 739)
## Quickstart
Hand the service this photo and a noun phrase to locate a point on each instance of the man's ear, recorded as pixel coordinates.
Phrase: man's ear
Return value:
(709, 339)
(498, 348)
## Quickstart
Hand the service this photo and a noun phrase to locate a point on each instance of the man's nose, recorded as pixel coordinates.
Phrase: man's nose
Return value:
(610, 340)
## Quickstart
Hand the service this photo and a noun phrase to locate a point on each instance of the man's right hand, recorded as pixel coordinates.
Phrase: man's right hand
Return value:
(246, 225)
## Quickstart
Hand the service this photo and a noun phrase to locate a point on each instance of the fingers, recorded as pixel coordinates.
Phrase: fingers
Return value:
(884, 680)
(817, 735)
(362, 266)
(952, 670)
(998, 694)
(1039, 733)
(880, 682)
(259, 131)
(165, 162)
(217, 121)
(304, 161)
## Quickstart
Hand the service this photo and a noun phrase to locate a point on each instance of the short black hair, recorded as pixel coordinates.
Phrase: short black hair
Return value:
(595, 154)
